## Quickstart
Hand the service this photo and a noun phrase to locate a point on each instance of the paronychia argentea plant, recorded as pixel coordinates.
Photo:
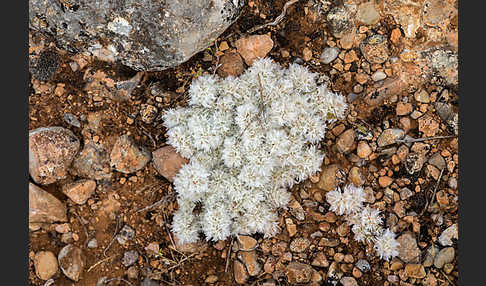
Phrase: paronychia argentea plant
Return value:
(248, 139)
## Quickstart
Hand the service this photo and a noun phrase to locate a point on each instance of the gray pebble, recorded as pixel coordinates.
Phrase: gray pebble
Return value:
(316, 234)
(129, 257)
(74, 66)
(352, 97)
(445, 239)
(329, 54)
(92, 243)
(126, 233)
(378, 75)
(444, 256)
(389, 136)
(438, 161)
(72, 120)
(452, 183)
(299, 61)
(430, 255)
(363, 265)
(405, 193)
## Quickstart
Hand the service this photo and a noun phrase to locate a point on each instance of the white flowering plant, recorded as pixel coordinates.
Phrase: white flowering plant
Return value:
(365, 221)
(248, 139)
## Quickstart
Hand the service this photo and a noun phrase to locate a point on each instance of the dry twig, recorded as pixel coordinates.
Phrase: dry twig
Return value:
(217, 57)
(446, 277)
(180, 262)
(277, 20)
(157, 203)
(113, 239)
(228, 255)
(433, 195)
(84, 227)
(99, 262)
(413, 140)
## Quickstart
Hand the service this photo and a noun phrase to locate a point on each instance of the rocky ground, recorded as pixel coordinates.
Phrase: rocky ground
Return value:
(101, 207)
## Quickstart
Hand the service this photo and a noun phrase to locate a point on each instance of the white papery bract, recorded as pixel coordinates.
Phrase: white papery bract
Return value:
(347, 202)
(386, 245)
(365, 221)
(248, 140)
(203, 91)
(354, 198)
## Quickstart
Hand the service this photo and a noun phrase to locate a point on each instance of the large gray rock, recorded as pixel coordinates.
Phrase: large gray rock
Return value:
(142, 34)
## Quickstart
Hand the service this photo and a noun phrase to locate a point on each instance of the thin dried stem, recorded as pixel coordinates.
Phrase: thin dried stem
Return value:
(413, 140)
(157, 203)
(228, 255)
(433, 195)
(99, 262)
(277, 20)
(113, 239)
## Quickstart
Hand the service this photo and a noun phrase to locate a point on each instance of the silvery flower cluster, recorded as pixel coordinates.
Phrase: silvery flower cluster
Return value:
(248, 140)
(365, 221)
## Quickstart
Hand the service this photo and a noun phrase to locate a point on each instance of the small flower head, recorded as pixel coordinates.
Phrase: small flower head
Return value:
(203, 91)
(386, 245)
(353, 197)
(347, 202)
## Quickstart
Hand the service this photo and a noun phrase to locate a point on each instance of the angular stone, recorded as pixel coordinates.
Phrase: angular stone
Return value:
(239, 271)
(168, 162)
(368, 14)
(327, 181)
(428, 125)
(71, 261)
(127, 157)
(320, 260)
(246, 243)
(250, 259)
(363, 150)
(45, 264)
(445, 255)
(51, 152)
(329, 54)
(254, 47)
(44, 207)
(93, 162)
(422, 96)
(389, 136)
(445, 239)
(129, 257)
(299, 244)
(403, 108)
(408, 250)
(415, 271)
(375, 49)
(339, 21)
(345, 141)
(231, 65)
(438, 161)
(80, 191)
(144, 35)
(298, 272)
(329, 242)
